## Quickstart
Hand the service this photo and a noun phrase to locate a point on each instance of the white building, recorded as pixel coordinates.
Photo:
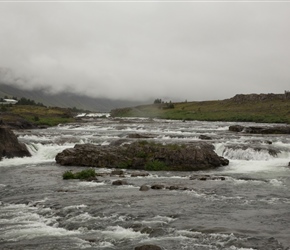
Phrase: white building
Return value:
(9, 101)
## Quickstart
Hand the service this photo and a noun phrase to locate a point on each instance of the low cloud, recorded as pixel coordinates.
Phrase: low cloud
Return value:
(142, 50)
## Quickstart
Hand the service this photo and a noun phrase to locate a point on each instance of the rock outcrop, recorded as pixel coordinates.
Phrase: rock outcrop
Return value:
(241, 98)
(143, 155)
(13, 121)
(9, 145)
(260, 130)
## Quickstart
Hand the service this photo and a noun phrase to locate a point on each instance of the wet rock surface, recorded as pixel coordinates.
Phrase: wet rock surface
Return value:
(9, 145)
(144, 156)
(148, 247)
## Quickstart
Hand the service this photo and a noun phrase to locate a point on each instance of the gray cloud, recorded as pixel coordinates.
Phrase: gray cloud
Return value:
(141, 50)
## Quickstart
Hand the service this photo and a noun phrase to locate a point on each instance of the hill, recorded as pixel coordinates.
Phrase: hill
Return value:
(268, 108)
(65, 100)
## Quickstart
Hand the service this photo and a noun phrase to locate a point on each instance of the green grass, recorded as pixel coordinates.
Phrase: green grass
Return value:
(156, 166)
(82, 175)
(267, 111)
(38, 115)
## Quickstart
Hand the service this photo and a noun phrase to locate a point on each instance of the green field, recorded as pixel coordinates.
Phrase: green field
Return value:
(266, 111)
(38, 115)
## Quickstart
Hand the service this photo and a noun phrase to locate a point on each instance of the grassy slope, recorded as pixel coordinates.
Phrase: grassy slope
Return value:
(276, 111)
(38, 115)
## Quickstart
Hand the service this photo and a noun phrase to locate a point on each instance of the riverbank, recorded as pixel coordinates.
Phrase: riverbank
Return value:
(263, 108)
(30, 116)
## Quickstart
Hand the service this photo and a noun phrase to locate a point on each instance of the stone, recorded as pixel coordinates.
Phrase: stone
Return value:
(204, 137)
(236, 128)
(157, 186)
(117, 172)
(207, 177)
(144, 188)
(119, 182)
(10, 146)
(139, 174)
(173, 188)
(138, 136)
(148, 247)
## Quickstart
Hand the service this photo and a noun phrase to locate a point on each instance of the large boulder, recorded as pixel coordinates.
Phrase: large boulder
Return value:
(9, 145)
(14, 121)
(144, 156)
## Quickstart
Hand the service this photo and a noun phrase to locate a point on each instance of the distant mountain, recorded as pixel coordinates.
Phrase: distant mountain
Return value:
(66, 100)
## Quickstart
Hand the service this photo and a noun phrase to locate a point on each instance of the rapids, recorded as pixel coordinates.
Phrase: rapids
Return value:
(250, 209)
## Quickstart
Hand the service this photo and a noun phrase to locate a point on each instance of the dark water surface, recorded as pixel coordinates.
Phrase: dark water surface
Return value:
(250, 209)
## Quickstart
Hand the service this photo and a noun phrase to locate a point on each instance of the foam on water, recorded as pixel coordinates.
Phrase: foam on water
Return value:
(75, 207)
(20, 221)
(119, 233)
(188, 240)
(158, 220)
(41, 153)
(91, 183)
(273, 165)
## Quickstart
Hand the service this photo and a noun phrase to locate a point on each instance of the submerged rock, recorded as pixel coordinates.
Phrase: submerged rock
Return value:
(119, 182)
(148, 247)
(144, 188)
(138, 136)
(157, 186)
(205, 137)
(139, 174)
(9, 145)
(261, 130)
(117, 172)
(207, 177)
(144, 156)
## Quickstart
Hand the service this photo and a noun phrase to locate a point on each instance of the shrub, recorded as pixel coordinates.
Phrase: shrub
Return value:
(82, 175)
(141, 154)
(85, 174)
(124, 164)
(155, 165)
(68, 175)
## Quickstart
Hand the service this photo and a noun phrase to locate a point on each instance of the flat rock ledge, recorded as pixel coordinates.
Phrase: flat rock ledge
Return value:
(143, 155)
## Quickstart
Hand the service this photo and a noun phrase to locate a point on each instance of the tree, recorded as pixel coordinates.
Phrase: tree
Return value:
(157, 101)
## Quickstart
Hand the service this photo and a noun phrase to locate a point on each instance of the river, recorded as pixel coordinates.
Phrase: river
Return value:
(249, 209)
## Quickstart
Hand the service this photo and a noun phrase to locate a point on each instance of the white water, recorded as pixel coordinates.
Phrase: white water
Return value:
(38, 208)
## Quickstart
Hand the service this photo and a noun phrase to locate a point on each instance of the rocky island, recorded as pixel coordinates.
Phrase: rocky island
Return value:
(143, 155)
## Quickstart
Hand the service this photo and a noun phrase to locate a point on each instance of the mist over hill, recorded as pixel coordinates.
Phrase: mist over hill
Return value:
(66, 100)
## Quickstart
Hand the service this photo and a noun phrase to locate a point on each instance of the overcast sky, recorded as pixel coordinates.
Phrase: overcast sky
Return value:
(138, 50)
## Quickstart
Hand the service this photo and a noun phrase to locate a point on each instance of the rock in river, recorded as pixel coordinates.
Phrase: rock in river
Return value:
(261, 129)
(9, 145)
(144, 155)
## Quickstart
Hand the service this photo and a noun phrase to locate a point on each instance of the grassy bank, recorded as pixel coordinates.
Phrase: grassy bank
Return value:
(267, 111)
(38, 115)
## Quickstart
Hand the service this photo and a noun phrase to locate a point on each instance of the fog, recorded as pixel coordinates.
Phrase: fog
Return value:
(141, 50)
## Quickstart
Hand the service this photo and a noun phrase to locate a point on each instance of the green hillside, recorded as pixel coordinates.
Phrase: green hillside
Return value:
(267, 108)
(18, 115)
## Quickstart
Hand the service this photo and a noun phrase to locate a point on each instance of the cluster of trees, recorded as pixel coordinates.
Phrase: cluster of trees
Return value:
(27, 101)
(165, 105)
